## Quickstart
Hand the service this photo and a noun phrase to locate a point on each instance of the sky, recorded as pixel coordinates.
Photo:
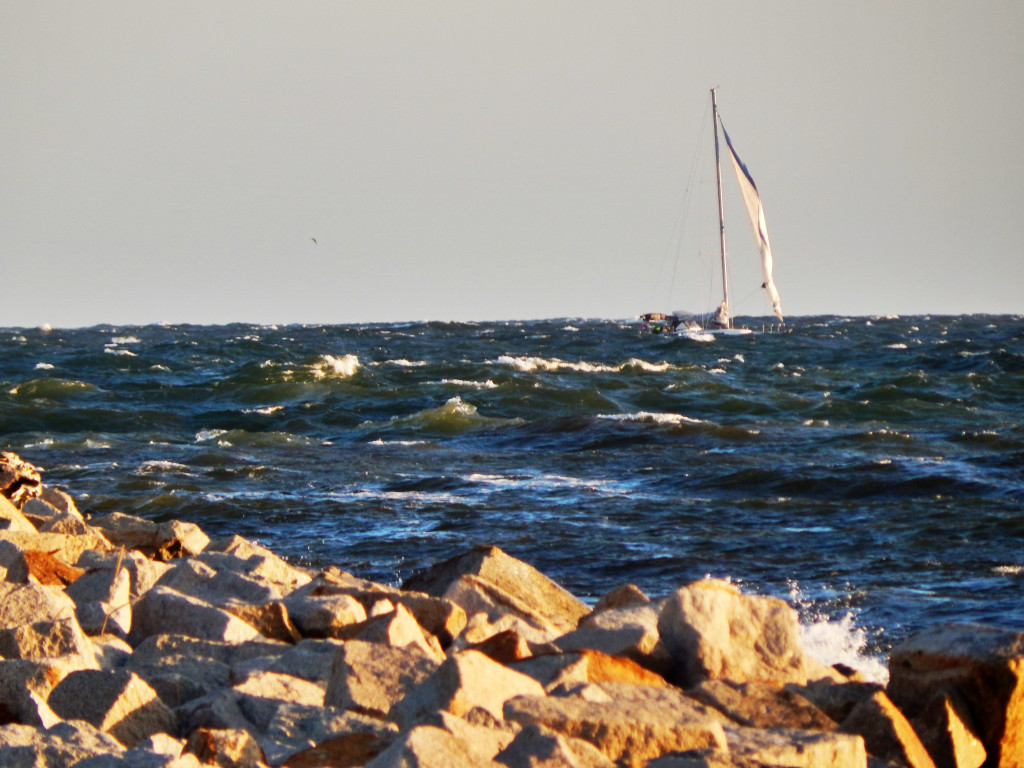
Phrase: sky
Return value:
(501, 159)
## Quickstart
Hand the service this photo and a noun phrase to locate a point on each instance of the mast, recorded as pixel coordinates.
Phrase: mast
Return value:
(721, 211)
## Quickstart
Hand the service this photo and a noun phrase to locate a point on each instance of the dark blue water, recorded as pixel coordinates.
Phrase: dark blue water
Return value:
(870, 467)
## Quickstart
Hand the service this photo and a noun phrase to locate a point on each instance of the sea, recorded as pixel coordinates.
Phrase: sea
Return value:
(868, 470)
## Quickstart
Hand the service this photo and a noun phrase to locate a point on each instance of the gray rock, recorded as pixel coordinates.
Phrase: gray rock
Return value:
(102, 600)
(116, 702)
(60, 746)
(166, 611)
(371, 678)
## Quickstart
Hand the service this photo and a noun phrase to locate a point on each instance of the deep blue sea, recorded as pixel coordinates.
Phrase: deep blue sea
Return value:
(869, 470)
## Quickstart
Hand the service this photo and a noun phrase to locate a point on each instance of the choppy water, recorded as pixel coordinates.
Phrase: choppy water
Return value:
(864, 468)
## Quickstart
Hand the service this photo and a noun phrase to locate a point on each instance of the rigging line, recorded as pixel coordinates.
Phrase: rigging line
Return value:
(674, 246)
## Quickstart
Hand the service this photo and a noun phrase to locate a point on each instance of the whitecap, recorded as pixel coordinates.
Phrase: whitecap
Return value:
(162, 466)
(266, 410)
(656, 418)
(208, 435)
(125, 340)
(403, 363)
(120, 352)
(1009, 570)
(44, 366)
(342, 367)
(470, 384)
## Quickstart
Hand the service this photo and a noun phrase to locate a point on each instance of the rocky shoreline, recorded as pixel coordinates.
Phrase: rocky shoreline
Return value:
(124, 642)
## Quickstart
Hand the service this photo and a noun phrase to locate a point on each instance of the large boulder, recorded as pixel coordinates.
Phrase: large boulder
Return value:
(712, 630)
(487, 580)
(636, 724)
(117, 702)
(371, 677)
(465, 680)
(165, 611)
(983, 664)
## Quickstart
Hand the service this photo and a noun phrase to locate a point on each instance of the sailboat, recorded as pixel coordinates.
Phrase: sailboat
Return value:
(722, 321)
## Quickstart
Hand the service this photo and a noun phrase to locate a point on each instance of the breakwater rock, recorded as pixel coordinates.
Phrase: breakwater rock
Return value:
(126, 642)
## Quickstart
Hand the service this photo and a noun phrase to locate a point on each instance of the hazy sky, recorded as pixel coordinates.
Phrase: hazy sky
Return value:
(171, 161)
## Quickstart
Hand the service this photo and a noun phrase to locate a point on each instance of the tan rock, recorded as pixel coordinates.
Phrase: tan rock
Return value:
(225, 748)
(161, 541)
(714, 631)
(371, 678)
(144, 573)
(425, 746)
(623, 596)
(269, 619)
(119, 703)
(836, 700)
(631, 632)
(504, 647)
(400, 629)
(537, 747)
(637, 725)
(60, 500)
(164, 611)
(309, 659)
(13, 568)
(282, 687)
(256, 562)
(25, 604)
(984, 664)
(44, 639)
(947, 731)
(485, 579)
(324, 616)
(886, 732)
(103, 601)
(465, 680)
(63, 744)
(760, 705)
(295, 728)
(25, 686)
(12, 519)
(481, 741)
(67, 547)
(796, 749)
(438, 616)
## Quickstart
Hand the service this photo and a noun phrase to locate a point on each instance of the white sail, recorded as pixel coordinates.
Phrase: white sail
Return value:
(752, 201)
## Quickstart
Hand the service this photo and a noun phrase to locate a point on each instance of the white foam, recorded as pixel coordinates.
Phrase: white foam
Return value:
(842, 642)
(1009, 570)
(648, 416)
(208, 435)
(527, 364)
(125, 340)
(265, 411)
(470, 384)
(44, 366)
(120, 352)
(403, 363)
(341, 367)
